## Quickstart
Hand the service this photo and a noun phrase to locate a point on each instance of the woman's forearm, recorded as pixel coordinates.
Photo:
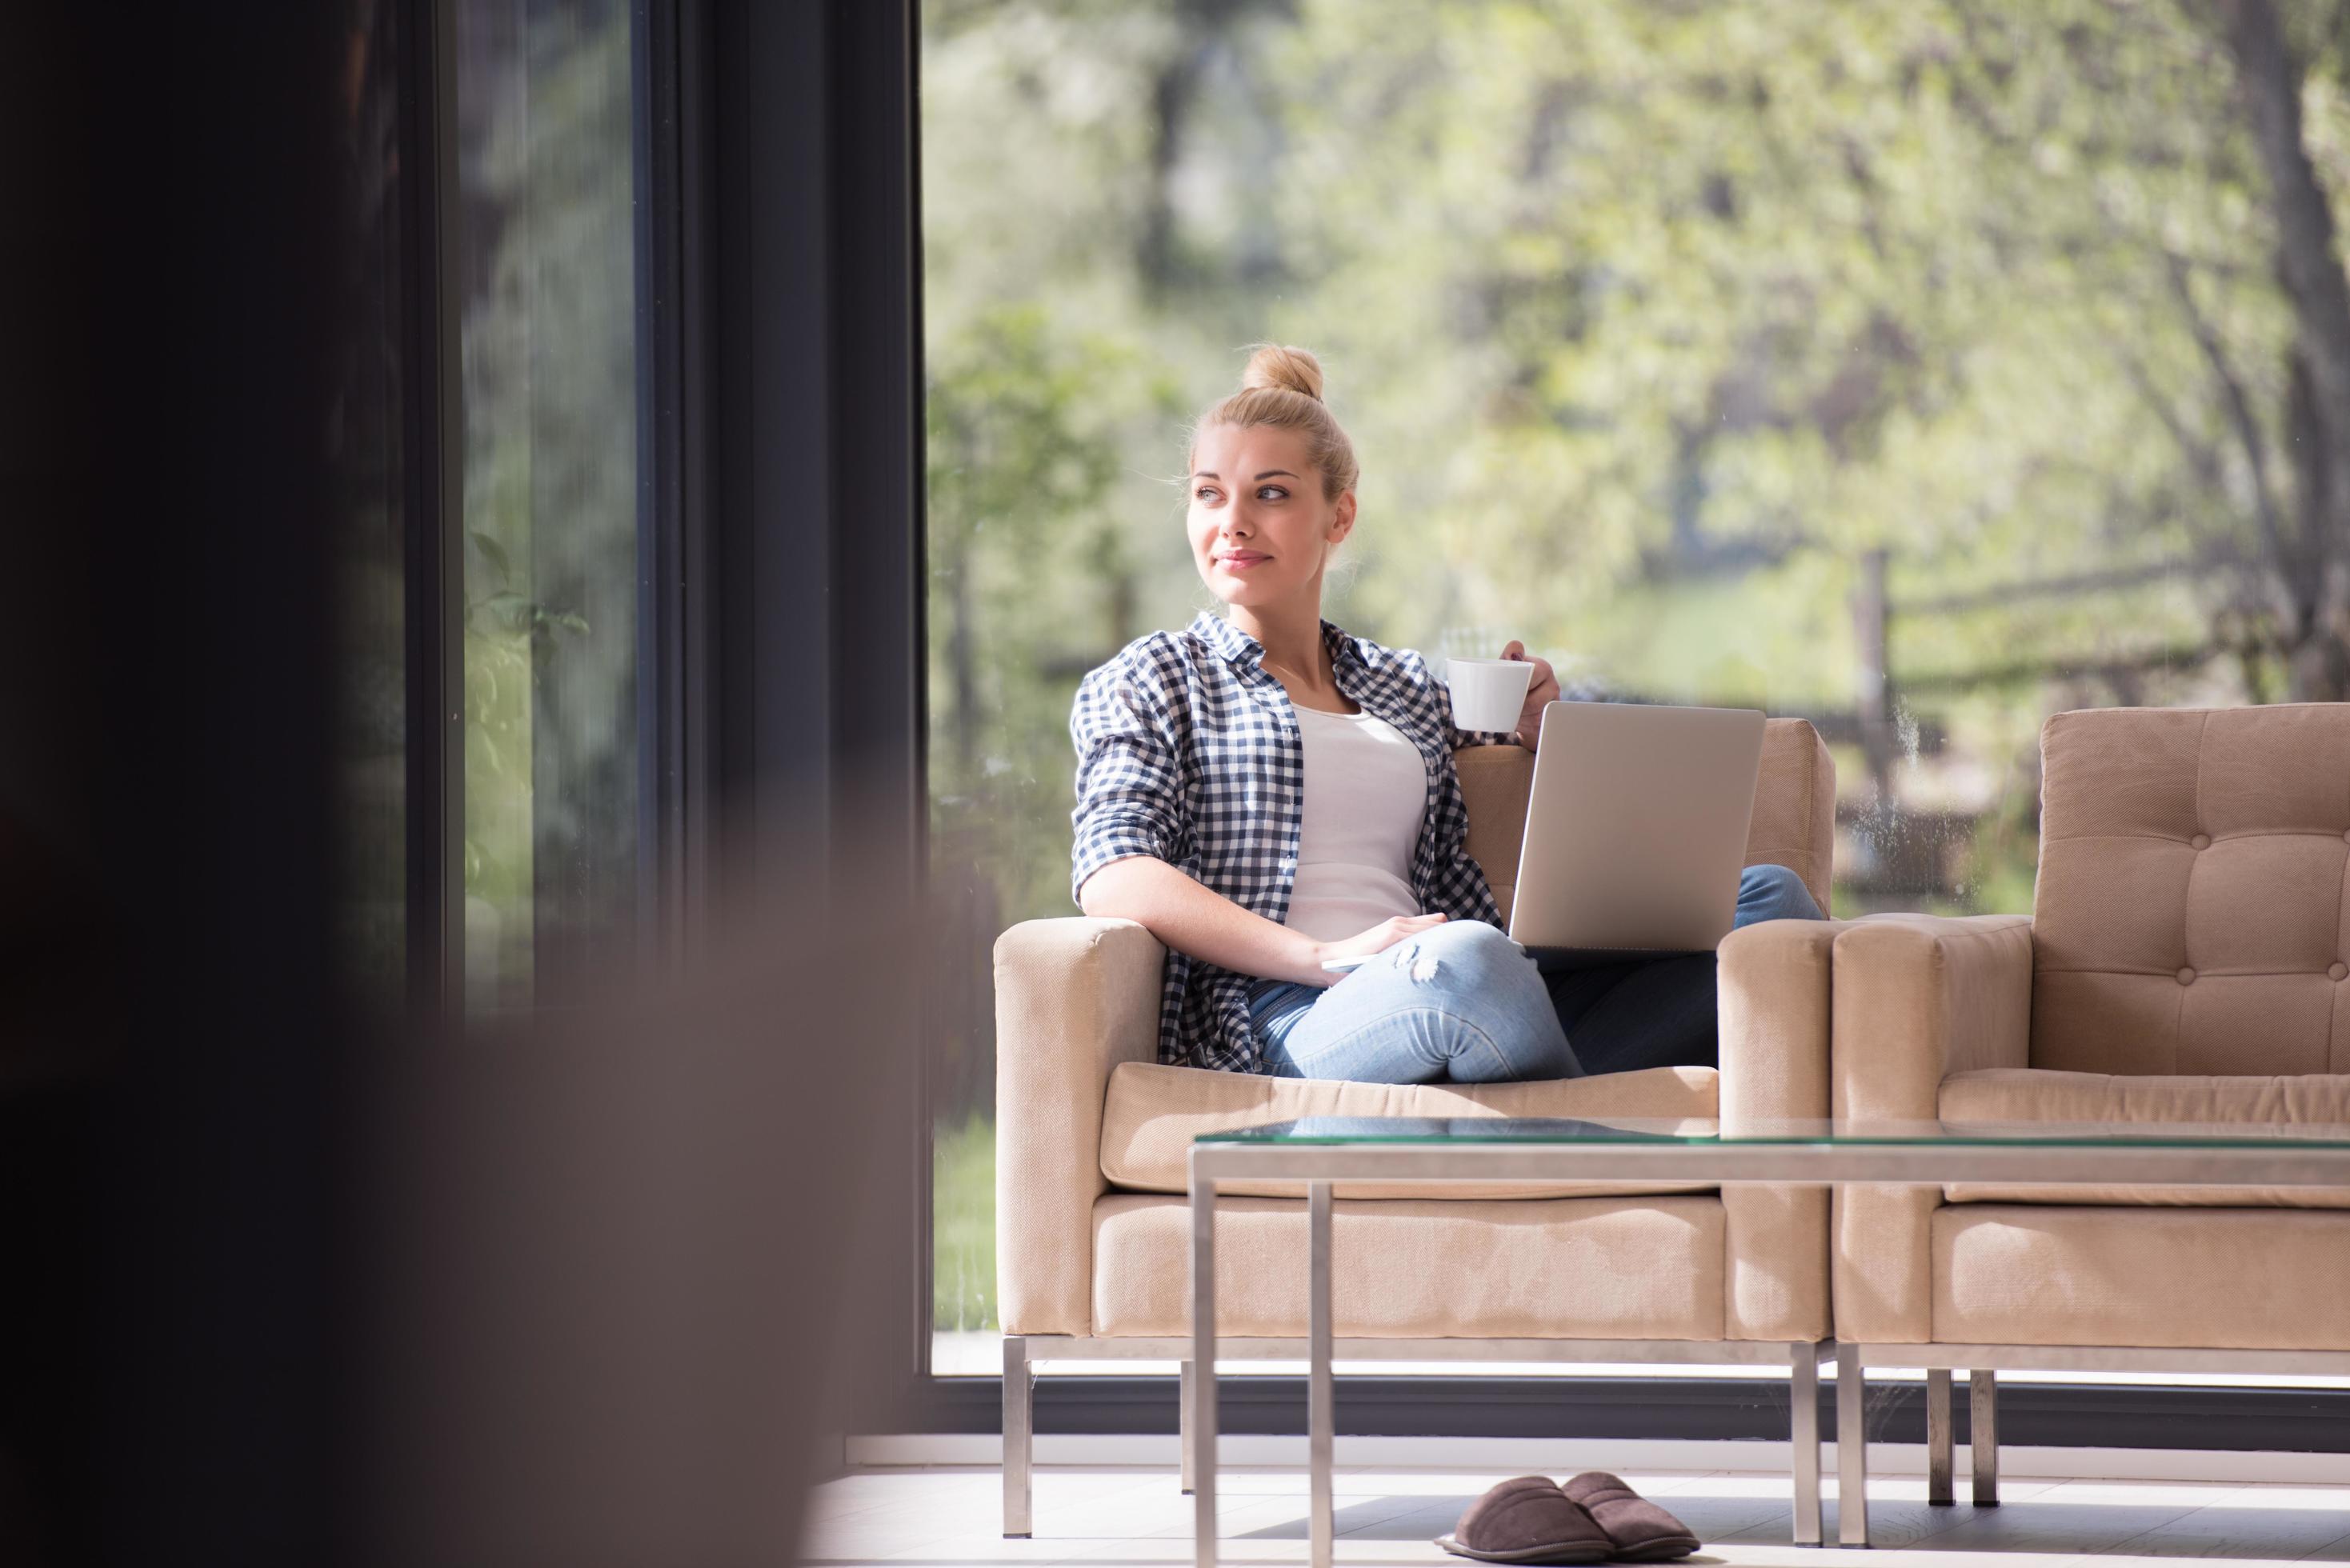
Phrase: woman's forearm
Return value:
(1192, 918)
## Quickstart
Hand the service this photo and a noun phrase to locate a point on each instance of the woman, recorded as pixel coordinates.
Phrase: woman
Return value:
(1266, 792)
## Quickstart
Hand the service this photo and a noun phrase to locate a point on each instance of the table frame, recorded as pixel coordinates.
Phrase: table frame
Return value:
(1825, 1163)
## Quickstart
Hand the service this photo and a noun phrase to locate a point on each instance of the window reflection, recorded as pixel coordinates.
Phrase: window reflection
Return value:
(550, 485)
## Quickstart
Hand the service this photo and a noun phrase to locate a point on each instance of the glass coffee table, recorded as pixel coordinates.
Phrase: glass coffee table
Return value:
(1321, 1151)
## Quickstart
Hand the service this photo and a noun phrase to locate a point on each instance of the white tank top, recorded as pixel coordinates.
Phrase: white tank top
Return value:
(1366, 792)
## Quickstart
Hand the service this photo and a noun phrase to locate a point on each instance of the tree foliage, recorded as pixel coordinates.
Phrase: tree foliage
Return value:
(1656, 322)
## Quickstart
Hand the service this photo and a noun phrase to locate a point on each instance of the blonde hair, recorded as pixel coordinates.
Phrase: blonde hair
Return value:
(1282, 388)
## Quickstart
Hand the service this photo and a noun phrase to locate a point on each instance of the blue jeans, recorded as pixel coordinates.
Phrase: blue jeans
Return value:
(1461, 1001)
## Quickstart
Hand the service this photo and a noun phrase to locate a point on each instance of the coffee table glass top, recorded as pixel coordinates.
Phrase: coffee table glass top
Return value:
(1356, 1130)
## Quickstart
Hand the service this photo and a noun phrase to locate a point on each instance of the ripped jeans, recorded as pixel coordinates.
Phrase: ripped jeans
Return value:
(1462, 1001)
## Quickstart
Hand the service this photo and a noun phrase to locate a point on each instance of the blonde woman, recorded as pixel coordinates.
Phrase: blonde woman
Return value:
(1264, 791)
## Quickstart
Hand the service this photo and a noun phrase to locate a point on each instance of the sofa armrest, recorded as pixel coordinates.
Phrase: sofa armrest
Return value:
(1775, 991)
(1074, 998)
(1918, 997)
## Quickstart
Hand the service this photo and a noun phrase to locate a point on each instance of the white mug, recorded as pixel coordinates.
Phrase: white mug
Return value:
(1489, 693)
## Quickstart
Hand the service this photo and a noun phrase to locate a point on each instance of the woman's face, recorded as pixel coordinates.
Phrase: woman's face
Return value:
(1260, 529)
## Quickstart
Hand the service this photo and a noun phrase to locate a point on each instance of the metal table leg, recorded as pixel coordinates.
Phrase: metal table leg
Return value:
(1203, 1376)
(1320, 1404)
(1852, 1449)
(1019, 1439)
(1804, 1428)
(1184, 1429)
(1983, 1416)
(1939, 1436)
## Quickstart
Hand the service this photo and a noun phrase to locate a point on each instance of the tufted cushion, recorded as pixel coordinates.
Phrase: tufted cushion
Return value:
(2192, 914)
(1794, 808)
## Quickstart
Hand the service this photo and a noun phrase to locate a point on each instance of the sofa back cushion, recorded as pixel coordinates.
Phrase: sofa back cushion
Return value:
(2192, 913)
(1794, 808)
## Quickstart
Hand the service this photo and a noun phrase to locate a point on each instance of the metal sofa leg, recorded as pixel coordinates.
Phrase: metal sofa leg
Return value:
(1982, 1396)
(1852, 1449)
(1019, 1439)
(1804, 1428)
(1183, 1423)
(1939, 1438)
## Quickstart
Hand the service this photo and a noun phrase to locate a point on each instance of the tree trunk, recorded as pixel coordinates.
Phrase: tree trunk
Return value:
(2271, 78)
(2314, 641)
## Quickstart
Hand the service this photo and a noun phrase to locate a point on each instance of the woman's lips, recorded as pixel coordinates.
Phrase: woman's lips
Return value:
(1239, 563)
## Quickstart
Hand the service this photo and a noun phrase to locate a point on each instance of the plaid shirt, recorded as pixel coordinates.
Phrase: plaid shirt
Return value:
(1187, 751)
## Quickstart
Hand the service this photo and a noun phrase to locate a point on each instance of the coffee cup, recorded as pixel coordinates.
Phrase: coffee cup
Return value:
(1488, 694)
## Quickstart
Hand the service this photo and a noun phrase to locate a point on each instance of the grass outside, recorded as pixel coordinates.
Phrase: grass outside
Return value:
(963, 1224)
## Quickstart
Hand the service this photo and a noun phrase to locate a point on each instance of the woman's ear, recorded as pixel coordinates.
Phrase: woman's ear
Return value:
(1344, 521)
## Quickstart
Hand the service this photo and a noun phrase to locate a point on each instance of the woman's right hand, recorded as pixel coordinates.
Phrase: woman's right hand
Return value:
(1380, 938)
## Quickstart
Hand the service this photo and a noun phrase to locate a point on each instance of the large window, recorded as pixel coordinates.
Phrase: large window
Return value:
(1919, 367)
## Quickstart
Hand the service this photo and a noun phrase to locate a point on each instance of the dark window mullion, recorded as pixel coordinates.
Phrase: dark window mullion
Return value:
(661, 603)
(433, 416)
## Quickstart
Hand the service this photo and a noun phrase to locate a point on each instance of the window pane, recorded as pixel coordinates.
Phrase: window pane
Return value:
(551, 510)
(1921, 369)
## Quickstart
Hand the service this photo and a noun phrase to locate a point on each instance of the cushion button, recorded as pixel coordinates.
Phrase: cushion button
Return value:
(2200, 841)
(2338, 972)
(2187, 977)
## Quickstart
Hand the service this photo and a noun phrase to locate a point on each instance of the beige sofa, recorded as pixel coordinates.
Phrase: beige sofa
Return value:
(2187, 961)
(1092, 1221)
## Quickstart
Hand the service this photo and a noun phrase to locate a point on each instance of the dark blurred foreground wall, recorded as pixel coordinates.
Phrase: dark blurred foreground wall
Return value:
(169, 1053)
(287, 1280)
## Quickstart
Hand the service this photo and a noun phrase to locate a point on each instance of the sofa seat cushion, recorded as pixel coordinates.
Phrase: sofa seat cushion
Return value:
(1155, 1112)
(1576, 1268)
(2012, 1096)
(2213, 1279)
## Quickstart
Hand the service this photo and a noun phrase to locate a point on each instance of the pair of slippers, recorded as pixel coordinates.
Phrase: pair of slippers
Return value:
(1594, 1518)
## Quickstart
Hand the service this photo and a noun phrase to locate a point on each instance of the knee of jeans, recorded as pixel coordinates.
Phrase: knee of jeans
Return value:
(1455, 943)
(1779, 892)
(1466, 952)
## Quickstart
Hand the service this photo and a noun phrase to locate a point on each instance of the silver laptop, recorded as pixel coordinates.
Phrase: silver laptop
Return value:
(1635, 830)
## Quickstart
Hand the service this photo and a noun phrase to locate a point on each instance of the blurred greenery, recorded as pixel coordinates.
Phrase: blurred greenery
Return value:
(962, 1219)
(548, 349)
(1919, 367)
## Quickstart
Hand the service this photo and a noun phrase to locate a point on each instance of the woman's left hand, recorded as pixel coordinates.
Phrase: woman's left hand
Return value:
(1540, 692)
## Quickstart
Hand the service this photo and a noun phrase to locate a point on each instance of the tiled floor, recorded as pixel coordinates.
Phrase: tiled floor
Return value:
(938, 1517)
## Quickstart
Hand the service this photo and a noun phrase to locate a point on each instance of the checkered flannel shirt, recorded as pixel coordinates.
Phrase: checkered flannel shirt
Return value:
(1187, 751)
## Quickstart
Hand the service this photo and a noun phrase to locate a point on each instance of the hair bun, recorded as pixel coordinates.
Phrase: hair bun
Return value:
(1273, 366)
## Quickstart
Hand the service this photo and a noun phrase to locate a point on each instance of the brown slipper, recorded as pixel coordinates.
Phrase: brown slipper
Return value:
(1527, 1520)
(1640, 1530)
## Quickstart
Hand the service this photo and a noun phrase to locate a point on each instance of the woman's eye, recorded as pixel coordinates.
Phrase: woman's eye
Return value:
(1273, 492)
(1205, 493)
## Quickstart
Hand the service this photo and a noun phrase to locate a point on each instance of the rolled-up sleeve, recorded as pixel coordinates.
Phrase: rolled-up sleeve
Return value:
(1130, 777)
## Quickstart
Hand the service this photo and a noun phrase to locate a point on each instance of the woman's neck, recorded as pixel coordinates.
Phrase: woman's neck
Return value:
(1291, 637)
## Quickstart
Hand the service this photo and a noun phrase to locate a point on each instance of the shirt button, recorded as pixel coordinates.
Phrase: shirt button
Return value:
(2187, 977)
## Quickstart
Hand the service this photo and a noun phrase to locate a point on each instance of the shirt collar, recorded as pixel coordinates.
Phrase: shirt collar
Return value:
(1239, 648)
